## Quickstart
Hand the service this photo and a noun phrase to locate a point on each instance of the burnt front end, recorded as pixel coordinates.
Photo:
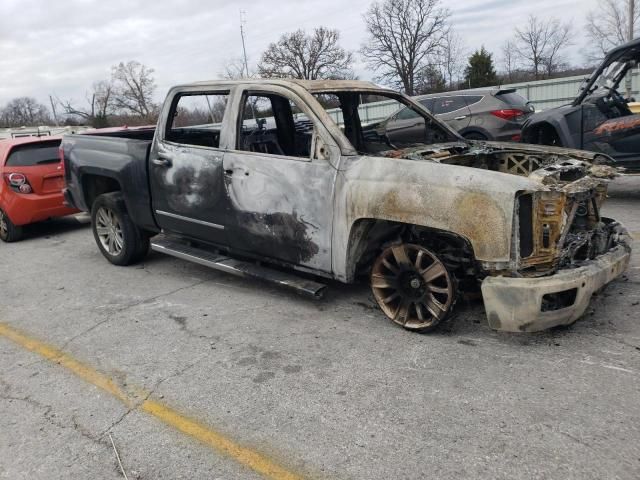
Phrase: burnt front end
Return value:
(564, 251)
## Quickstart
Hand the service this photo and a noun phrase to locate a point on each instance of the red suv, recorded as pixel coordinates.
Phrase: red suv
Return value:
(31, 182)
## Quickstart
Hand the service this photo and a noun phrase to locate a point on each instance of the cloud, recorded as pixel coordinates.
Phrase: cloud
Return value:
(61, 48)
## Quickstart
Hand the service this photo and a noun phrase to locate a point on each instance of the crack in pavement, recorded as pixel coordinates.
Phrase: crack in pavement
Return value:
(139, 403)
(50, 417)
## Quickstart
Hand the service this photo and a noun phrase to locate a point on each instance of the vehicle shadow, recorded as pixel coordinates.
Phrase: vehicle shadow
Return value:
(625, 188)
(55, 226)
(468, 325)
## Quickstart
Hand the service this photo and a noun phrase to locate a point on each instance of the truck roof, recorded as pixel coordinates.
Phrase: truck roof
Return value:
(309, 85)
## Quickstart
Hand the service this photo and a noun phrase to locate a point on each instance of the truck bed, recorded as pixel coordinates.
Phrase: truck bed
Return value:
(117, 155)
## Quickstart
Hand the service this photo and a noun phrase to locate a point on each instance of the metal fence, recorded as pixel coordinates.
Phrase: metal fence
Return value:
(44, 131)
(552, 93)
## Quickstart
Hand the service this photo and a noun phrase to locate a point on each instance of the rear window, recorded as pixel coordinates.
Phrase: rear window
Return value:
(406, 114)
(471, 99)
(428, 103)
(34, 154)
(512, 98)
(449, 104)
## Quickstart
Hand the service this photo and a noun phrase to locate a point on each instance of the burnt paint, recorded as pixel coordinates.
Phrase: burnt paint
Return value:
(193, 187)
(281, 207)
(285, 236)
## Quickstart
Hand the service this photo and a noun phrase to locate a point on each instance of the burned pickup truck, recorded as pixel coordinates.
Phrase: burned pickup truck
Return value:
(290, 182)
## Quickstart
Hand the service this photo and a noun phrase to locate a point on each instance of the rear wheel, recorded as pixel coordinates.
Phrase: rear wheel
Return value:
(8, 231)
(413, 287)
(118, 238)
(475, 136)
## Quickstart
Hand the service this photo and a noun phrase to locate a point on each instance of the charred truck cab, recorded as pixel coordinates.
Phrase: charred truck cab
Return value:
(291, 182)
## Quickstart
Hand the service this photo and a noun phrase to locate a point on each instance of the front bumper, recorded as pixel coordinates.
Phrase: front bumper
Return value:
(516, 304)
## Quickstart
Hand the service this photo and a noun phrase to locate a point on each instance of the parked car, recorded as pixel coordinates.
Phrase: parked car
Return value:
(31, 186)
(256, 179)
(600, 118)
(476, 114)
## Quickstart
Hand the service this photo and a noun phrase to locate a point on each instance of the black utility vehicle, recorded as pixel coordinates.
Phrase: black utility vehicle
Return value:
(599, 119)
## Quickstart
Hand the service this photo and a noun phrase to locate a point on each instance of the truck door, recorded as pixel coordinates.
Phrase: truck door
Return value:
(280, 190)
(185, 167)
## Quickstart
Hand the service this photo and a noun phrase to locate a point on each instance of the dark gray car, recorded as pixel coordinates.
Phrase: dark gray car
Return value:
(481, 114)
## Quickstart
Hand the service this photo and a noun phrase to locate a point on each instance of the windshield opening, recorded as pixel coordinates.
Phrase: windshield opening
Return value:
(376, 122)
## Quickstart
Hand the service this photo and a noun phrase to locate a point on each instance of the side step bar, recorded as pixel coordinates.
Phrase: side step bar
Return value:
(183, 250)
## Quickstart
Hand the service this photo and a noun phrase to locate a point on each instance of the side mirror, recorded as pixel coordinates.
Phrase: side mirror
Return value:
(321, 149)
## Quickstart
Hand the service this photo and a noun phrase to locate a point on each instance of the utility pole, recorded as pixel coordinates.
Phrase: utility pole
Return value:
(629, 38)
(244, 48)
(53, 109)
(631, 19)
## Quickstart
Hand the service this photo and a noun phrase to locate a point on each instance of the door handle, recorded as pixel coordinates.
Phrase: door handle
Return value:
(229, 172)
(163, 160)
(461, 117)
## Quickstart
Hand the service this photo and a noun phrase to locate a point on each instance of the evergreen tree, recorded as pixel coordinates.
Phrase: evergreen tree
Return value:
(480, 71)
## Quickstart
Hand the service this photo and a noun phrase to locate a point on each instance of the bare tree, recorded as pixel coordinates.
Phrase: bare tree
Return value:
(133, 90)
(430, 79)
(235, 70)
(608, 26)
(311, 57)
(539, 45)
(404, 36)
(100, 105)
(509, 60)
(24, 111)
(452, 57)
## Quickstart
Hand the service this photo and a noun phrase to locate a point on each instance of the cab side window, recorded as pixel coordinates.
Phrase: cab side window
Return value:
(273, 124)
(196, 118)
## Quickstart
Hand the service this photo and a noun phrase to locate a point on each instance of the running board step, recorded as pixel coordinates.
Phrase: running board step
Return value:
(184, 250)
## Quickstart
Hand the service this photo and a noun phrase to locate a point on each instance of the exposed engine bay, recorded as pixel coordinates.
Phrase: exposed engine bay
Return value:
(560, 225)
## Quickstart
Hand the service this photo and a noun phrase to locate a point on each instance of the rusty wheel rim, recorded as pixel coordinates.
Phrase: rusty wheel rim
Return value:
(412, 286)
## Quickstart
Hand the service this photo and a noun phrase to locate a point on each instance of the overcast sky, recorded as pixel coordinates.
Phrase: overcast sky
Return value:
(62, 47)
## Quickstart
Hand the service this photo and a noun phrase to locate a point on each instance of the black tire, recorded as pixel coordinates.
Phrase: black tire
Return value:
(550, 137)
(542, 135)
(475, 136)
(120, 241)
(8, 231)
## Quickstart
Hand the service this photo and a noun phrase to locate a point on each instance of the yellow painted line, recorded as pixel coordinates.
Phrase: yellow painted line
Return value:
(215, 440)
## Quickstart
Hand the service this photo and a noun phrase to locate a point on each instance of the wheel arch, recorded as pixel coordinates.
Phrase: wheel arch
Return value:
(541, 131)
(367, 237)
(94, 185)
(476, 129)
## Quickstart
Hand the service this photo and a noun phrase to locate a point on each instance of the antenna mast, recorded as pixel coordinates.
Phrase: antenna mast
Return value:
(244, 48)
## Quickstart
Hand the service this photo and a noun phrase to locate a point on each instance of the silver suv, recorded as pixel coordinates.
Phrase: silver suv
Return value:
(482, 113)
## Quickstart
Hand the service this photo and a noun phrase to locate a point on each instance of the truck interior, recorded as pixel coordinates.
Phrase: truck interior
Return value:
(374, 138)
(269, 124)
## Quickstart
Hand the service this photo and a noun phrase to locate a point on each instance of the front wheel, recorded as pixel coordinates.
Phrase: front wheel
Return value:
(8, 231)
(118, 238)
(413, 287)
